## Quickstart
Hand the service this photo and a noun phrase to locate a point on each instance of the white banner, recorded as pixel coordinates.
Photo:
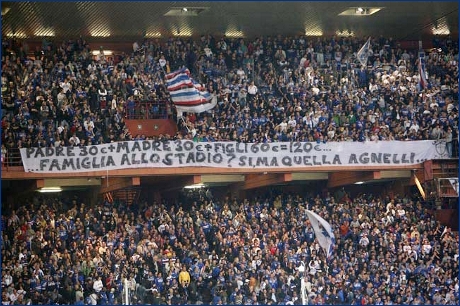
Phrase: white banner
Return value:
(185, 153)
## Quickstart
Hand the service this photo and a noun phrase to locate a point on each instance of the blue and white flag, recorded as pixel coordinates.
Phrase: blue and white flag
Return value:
(186, 94)
(324, 235)
(189, 96)
(198, 85)
(173, 74)
(363, 53)
(180, 81)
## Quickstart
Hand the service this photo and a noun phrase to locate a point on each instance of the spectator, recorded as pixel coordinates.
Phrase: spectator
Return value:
(449, 141)
(405, 249)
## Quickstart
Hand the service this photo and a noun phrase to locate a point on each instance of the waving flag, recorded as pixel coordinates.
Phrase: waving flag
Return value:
(363, 53)
(187, 95)
(179, 81)
(324, 235)
(422, 71)
(198, 86)
(173, 74)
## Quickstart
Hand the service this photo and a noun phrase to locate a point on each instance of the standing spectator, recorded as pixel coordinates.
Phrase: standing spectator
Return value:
(252, 91)
(449, 141)
(102, 95)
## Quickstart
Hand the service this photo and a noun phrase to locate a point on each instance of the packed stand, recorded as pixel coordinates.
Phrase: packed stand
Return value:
(228, 251)
(268, 89)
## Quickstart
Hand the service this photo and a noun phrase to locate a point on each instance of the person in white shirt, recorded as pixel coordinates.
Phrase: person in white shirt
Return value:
(252, 91)
(292, 122)
(414, 126)
(98, 286)
(283, 126)
(74, 140)
(240, 73)
(65, 85)
(208, 51)
(88, 123)
(7, 279)
(401, 212)
(162, 61)
(113, 105)
(426, 247)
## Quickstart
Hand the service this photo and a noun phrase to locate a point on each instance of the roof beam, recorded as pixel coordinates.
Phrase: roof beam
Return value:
(115, 183)
(262, 180)
(337, 179)
(180, 182)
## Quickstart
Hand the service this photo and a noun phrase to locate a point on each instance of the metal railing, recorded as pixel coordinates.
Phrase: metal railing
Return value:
(148, 109)
(11, 158)
(448, 187)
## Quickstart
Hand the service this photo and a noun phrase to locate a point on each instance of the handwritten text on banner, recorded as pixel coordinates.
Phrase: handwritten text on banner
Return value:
(184, 153)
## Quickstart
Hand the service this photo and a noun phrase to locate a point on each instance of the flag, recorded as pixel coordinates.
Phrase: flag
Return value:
(422, 72)
(173, 74)
(363, 53)
(444, 231)
(325, 236)
(179, 81)
(189, 96)
(454, 183)
(186, 94)
(198, 86)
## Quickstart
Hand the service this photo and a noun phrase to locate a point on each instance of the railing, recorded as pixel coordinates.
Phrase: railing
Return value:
(12, 158)
(146, 109)
(448, 187)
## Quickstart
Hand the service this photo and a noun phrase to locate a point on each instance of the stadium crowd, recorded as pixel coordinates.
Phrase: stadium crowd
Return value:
(268, 89)
(57, 250)
(232, 251)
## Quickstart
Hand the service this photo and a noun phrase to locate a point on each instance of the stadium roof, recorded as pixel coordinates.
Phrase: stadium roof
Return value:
(129, 21)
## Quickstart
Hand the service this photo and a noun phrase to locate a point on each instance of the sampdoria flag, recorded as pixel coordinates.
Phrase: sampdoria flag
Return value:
(198, 86)
(363, 53)
(179, 81)
(186, 94)
(422, 72)
(323, 232)
(173, 74)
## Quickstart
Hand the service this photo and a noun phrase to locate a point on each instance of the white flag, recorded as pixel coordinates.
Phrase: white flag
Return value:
(363, 53)
(325, 236)
(454, 183)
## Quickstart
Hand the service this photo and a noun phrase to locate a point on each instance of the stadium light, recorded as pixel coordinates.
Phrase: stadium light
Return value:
(50, 189)
(195, 186)
(419, 185)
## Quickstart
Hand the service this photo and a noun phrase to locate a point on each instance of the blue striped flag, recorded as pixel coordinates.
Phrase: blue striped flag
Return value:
(198, 86)
(179, 81)
(188, 95)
